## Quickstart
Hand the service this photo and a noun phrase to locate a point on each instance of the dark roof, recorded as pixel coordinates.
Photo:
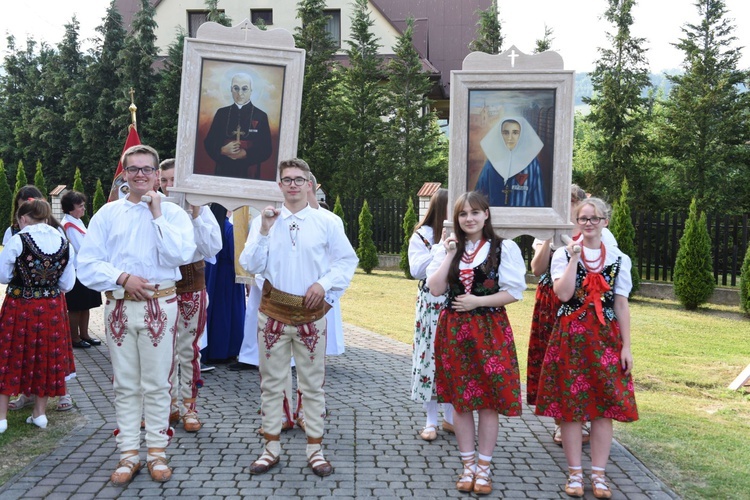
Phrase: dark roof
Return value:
(443, 29)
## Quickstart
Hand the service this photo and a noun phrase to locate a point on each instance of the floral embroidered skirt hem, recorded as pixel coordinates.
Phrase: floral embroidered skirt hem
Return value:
(542, 322)
(35, 351)
(423, 349)
(582, 378)
(476, 363)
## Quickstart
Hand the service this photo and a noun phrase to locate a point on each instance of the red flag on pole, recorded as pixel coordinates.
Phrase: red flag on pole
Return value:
(119, 179)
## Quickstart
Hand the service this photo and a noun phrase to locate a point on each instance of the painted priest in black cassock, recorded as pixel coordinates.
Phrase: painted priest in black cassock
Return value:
(239, 139)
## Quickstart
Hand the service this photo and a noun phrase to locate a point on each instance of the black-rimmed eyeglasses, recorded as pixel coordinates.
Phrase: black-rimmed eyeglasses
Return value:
(298, 181)
(143, 170)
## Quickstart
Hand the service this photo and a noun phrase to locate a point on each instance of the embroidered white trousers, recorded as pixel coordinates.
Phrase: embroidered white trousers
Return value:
(140, 336)
(277, 343)
(191, 322)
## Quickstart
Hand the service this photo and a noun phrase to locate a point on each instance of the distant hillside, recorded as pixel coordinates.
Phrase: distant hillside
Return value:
(584, 88)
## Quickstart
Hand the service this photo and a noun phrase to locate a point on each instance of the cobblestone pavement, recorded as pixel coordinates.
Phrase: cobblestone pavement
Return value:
(371, 439)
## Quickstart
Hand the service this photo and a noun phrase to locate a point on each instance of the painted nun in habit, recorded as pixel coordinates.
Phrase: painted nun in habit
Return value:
(511, 176)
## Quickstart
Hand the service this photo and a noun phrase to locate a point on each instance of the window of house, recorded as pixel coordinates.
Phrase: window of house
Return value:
(334, 25)
(195, 19)
(265, 14)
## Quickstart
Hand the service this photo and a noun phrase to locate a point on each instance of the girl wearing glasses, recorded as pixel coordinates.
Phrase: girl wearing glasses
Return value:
(475, 356)
(586, 374)
(546, 306)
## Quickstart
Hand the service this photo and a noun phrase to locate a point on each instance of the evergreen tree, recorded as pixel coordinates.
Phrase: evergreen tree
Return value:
(78, 182)
(410, 220)
(359, 108)
(339, 210)
(6, 197)
(545, 43)
(745, 284)
(622, 228)
(617, 108)
(39, 181)
(411, 143)
(316, 118)
(103, 124)
(136, 66)
(215, 15)
(366, 251)
(489, 36)
(99, 198)
(21, 98)
(167, 103)
(21, 181)
(693, 273)
(707, 128)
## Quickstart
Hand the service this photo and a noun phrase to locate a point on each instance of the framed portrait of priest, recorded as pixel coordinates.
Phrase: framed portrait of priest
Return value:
(511, 139)
(239, 114)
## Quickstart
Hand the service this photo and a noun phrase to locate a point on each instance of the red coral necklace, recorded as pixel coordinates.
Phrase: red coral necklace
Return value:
(594, 265)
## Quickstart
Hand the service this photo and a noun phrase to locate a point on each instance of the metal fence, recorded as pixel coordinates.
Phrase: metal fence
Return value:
(656, 241)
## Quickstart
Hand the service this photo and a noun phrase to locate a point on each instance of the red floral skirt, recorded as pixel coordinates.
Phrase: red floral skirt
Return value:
(582, 378)
(542, 322)
(35, 350)
(475, 362)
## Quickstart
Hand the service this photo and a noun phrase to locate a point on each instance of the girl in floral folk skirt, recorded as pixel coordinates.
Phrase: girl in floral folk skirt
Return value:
(475, 356)
(586, 369)
(35, 350)
(422, 243)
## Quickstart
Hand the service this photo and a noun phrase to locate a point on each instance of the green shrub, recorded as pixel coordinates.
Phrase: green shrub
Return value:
(621, 225)
(39, 181)
(693, 273)
(6, 197)
(410, 220)
(339, 210)
(745, 284)
(367, 253)
(99, 199)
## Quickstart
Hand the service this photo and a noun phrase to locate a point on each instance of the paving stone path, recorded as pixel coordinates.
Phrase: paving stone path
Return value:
(371, 439)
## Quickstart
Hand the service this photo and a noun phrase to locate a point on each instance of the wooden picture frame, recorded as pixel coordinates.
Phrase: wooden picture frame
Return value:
(213, 63)
(490, 91)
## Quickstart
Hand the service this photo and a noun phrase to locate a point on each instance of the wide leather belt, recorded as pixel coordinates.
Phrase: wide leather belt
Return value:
(193, 277)
(288, 308)
(164, 290)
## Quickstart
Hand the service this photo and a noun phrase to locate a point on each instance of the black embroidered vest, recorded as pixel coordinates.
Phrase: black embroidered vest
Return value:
(36, 273)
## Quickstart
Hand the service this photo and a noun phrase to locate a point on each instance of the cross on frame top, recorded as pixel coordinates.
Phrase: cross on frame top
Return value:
(513, 56)
(246, 29)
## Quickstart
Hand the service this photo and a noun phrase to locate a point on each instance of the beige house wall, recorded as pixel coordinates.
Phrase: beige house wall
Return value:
(173, 14)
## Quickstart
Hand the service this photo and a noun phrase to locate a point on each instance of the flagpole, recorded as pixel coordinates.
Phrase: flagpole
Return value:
(133, 108)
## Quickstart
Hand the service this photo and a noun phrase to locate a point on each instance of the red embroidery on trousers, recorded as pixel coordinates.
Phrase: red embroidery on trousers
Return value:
(308, 335)
(155, 320)
(189, 304)
(117, 322)
(271, 334)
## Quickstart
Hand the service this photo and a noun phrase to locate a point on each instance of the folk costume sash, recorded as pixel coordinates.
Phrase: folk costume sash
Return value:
(288, 308)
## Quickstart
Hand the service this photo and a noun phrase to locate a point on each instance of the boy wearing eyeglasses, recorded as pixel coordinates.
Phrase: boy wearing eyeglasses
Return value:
(311, 257)
(132, 252)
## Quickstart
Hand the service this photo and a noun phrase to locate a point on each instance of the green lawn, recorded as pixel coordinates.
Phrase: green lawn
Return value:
(693, 432)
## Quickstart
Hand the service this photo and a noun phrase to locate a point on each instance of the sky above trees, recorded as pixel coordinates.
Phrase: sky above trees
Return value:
(578, 30)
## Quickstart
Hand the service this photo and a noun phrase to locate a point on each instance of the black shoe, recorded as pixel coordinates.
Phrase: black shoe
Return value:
(81, 344)
(207, 368)
(94, 342)
(240, 366)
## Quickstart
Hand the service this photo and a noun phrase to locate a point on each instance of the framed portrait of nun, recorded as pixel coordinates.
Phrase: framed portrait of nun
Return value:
(511, 136)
